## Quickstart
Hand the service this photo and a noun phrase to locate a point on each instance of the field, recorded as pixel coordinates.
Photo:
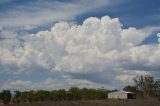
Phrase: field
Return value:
(135, 102)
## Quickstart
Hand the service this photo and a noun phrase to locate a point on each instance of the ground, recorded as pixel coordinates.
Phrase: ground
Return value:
(134, 102)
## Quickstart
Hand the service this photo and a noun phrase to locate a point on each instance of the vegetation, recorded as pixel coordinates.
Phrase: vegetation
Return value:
(148, 85)
(144, 85)
(134, 90)
(73, 93)
(5, 96)
(149, 101)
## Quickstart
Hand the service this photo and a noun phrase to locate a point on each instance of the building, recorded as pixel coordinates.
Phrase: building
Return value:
(121, 95)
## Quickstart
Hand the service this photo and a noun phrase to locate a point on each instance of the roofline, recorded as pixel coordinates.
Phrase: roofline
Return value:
(123, 92)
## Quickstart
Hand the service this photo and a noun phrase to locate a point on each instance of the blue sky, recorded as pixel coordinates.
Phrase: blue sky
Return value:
(136, 13)
(55, 44)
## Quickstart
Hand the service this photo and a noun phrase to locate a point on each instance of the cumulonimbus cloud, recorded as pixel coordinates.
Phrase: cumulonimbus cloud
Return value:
(78, 48)
(94, 44)
(99, 46)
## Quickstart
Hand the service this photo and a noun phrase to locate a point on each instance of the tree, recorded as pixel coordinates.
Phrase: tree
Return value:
(134, 90)
(148, 85)
(157, 88)
(5, 96)
(74, 93)
(30, 96)
(101, 94)
(60, 94)
(145, 83)
(130, 88)
(16, 98)
(88, 94)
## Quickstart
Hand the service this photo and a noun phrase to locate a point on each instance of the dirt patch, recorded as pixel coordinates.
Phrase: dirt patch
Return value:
(133, 102)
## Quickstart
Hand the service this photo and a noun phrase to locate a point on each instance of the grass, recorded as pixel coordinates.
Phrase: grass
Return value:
(147, 101)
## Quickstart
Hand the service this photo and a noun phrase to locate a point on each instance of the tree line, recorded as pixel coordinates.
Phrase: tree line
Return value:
(144, 85)
(73, 93)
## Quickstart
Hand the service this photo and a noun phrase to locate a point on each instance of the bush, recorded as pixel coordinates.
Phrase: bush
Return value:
(5, 96)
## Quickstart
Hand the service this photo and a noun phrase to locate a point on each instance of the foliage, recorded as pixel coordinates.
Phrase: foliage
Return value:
(73, 93)
(148, 85)
(134, 90)
(5, 96)
(144, 85)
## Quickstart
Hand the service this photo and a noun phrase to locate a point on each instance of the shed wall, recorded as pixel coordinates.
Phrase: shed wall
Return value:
(117, 95)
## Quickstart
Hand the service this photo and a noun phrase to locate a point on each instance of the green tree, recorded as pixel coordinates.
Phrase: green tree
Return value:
(88, 94)
(5, 96)
(16, 98)
(148, 85)
(101, 94)
(156, 88)
(134, 90)
(74, 93)
(145, 83)
(61, 94)
(30, 96)
(130, 88)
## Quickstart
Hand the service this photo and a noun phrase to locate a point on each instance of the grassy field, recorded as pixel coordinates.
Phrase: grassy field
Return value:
(135, 102)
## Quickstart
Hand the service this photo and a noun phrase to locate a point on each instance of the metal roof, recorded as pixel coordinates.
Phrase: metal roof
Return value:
(122, 92)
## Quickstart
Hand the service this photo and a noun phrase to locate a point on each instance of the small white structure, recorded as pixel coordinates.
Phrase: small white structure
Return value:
(121, 95)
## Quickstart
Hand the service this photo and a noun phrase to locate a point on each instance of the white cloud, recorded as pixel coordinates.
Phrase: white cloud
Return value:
(43, 12)
(125, 78)
(28, 27)
(48, 84)
(158, 35)
(8, 40)
(20, 82)
(133, 37)
(99, 51)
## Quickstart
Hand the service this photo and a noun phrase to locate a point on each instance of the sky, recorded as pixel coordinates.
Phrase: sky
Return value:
(55, 44)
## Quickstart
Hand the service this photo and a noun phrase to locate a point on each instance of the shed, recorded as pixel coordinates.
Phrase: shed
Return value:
(121, 95)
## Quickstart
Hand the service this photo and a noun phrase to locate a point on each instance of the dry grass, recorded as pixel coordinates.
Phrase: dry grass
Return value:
(137, 102)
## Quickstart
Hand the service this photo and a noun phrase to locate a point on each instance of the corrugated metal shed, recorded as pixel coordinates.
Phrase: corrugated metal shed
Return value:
(121, 95)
